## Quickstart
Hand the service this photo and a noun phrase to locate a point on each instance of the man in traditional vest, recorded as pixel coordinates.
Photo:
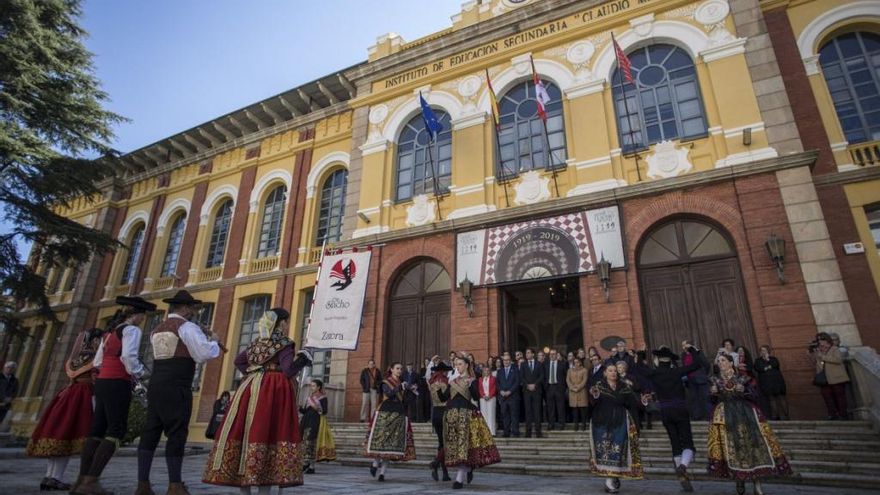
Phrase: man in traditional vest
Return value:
(178, 345)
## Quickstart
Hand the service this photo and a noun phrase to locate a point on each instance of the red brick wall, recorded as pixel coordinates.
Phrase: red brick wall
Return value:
(106, 266)
(239, 223)
(284, 293)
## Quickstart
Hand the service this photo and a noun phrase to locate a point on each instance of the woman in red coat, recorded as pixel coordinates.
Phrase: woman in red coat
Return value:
(65, 424)
(488, 402)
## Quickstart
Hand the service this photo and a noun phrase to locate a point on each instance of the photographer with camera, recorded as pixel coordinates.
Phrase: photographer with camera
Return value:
(831, 376)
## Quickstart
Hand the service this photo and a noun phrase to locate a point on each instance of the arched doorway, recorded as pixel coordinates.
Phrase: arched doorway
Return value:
(418, 317)
(691, 287)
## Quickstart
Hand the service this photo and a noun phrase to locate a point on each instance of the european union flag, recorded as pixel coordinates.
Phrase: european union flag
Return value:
(432, 125)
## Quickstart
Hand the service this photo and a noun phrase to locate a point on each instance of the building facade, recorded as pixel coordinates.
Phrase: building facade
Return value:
(745, 123)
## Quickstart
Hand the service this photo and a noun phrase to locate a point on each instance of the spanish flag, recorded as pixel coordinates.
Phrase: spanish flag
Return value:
(493, 100)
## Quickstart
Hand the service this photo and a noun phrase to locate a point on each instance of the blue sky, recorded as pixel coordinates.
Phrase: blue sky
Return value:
(170, 65)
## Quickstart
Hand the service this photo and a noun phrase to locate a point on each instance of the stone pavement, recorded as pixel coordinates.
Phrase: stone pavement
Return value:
(21, 477)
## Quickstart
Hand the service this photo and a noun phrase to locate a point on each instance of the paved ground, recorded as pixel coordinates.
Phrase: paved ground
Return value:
(21, 477)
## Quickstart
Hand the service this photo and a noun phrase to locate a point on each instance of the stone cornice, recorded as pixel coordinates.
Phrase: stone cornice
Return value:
(562, 205)
(848, 177)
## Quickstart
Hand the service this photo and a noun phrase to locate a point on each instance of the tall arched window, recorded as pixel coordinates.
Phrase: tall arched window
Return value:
(172, 251)
(851, 65)
(134, 253)
(270, 226)
(522, 139)
(332, 207)
(664, 103)
(414, 152)
(219, 234)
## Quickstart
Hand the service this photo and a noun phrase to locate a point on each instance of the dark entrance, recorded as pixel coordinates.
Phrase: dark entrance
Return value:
(418, 318)
(541, 314)
(691, 287)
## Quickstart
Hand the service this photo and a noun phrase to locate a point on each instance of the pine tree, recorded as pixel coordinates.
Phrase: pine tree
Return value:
(54, 136)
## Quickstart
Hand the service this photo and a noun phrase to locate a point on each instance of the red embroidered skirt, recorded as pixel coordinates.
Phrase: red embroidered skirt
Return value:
(257, 444)
(65, 424)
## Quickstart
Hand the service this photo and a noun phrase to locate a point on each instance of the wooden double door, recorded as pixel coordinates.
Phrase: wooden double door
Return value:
(691, 287)
(419, 322)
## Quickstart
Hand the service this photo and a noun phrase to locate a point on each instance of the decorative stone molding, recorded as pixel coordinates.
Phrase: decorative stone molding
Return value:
(579, 55)
(668, 161)
(470, 211)
(809, 38)
(130, 222)
(737, 131)
(643, 25)
(746, 157)
(602, 185)
(410, 107)
(532, 188)
(688, 36)
(369, 211)
(593, 162)
(552, 70)
(469, 121)
(584, 89)
(522, 63)
(321, 166)
(461, 191)
(712, 12)
(171, 209)
(377, 115)
(370, 148)
(421, 211)
(729, 48)
(811, 65)
(367, 231)
(264, 183)
(211, 201)
(467, 88)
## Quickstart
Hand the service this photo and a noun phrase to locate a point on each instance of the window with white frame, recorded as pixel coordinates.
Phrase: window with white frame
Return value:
(172, 250)
(873, 215)
(419, 158)
(135, 244)
(270, 224)
(663, 102)
(851, 66)
(332, 207)
(524, 142)
(219, 235)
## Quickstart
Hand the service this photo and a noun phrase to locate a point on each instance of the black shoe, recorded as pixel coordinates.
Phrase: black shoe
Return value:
(740, 487)
(51, 484)
(310, 470)
(381, 477)
(470, 476)
(435, 465)
(683, 478)
(373, 470)
(457, 486)
(446, 474)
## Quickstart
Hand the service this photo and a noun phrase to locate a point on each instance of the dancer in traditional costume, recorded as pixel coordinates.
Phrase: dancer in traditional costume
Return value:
(177, 346)
(390, 436)
(741, 445)
(614, 439)
(64, 425)
(117, 363)
(438, 383)
(258, 441)
(666, 382)
(317, 439)
(467, 441)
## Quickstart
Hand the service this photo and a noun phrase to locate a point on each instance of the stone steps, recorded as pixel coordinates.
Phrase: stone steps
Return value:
(821, 453)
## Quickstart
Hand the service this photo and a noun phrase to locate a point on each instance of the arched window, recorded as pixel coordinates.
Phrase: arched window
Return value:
(270, 226)
(521, 138)
(332, 207)
(172, 251)
(684, 241)
(851, 65)
(219, 234)
(664, 103)
(134, 253)
(414, 152)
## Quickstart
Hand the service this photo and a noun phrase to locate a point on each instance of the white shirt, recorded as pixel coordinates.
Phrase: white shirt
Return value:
(200, 348)
(553, 372)
(486, 387)
(131, 341)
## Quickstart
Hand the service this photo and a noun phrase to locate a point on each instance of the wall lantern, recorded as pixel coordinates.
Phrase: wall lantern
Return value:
(776, 250)
(603, 270)
(466, 287)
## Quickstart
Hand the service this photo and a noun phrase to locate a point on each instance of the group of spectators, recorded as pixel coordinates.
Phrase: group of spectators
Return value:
(550, 388)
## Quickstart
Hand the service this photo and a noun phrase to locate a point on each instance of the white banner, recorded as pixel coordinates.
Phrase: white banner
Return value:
(338, 304)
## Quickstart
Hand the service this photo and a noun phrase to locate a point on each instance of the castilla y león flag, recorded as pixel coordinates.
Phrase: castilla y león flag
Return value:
(338, 304)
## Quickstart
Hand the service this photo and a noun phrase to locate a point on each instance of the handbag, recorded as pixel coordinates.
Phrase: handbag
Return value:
(820, 380)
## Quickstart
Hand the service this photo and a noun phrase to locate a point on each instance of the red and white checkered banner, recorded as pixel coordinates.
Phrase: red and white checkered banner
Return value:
(542, 248)
(338, 304)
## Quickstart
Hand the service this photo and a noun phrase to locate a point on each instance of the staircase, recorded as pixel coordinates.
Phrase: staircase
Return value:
(829, 453)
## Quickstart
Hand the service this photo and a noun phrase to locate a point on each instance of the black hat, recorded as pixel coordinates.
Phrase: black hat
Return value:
(137, 303)
(665, 353)
(441, 367)
(282, 313)
(182, 298)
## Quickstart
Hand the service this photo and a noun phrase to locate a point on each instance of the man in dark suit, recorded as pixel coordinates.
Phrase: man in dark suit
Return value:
(532, 378)
(595, 373)
(410, 395)
(508, 396)
(555, 371)
(8, 388)
(697, 384)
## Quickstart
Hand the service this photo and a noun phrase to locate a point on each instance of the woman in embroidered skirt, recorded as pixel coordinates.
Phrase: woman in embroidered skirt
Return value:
(467, 441)
(614, 439)
(258, 441)
(741, 444)
(317, 439)
(390, 437)
(64, 425)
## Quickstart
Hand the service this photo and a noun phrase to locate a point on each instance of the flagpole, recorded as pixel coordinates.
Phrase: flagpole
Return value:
(315, 291)
(437, 197)
(496, 123)
(546, 134)
(626, 107)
